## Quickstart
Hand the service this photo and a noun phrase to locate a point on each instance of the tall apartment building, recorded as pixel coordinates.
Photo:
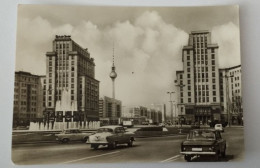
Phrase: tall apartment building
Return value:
(198, 82)
(110, 110)
(28, 98)
(72, 92)
(231, 94)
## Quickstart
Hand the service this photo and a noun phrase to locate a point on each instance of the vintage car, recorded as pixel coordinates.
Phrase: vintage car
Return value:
(111, 136)
(72, 135)
(203, 142)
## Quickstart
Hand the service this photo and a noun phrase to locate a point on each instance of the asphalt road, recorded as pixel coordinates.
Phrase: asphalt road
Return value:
(157, 149)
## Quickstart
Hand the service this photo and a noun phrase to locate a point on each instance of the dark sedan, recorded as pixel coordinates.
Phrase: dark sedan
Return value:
(203, 142)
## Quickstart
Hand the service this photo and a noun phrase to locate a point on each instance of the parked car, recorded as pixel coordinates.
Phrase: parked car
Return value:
(72, 135)
(111, 136)
(195, 126)
(203, 142)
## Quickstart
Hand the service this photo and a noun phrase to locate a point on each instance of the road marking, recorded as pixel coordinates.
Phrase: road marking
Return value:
(90, 157)
(174, 157)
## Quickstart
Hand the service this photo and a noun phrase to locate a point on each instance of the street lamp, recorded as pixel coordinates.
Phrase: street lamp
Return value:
(227, 97)
(175, 113)
(181, 86)
(171, 105)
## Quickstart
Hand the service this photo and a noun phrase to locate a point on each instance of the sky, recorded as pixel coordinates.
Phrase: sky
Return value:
(147, 41)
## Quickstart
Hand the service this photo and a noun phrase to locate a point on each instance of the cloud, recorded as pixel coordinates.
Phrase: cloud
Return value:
(147, 52)
(227, 37)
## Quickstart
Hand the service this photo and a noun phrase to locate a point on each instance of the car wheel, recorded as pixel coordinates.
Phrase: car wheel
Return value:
(84, 139)
(223, 154)
(187, 158)
(112, 145)
(94, 146)
(130, 143)
(65, 140)
(216, 157)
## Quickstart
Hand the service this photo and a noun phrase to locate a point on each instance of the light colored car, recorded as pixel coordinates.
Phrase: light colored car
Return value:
(111, 136)
(72, 135)
(219, 127)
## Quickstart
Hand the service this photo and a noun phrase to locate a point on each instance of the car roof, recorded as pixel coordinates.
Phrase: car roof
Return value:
(211, 130)
(71, 129)
(111, 126)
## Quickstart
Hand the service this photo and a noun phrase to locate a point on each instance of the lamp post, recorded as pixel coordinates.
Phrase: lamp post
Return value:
(227, 97)
(175, 113)
(170, 93)
(181, 86)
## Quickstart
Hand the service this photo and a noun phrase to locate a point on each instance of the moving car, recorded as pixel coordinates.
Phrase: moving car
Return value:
(110, 136)
(219, 127)
(72, 135)
(203, 142)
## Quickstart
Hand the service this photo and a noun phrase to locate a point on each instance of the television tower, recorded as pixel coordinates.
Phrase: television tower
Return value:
(113, 76)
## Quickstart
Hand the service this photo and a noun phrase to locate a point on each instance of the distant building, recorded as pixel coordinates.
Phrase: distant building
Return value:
(110, 111)
(139, 114)
(72, 92)
(28, 98)
(231, 94)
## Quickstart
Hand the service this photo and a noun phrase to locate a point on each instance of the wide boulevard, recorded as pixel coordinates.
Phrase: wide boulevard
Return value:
(153, 149)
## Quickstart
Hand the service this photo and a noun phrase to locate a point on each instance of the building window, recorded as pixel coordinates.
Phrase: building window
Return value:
(214, 86)
(188, 63)
(49, 103)
(188, 81)
(180, 76)
(188, 57)
(189, 100)
(213, 62)
(181, 100)
(189, 87)
(188, 75)
(188, 69)
(72, 97)
(189, 93)
(213, 81)
(214, 93)
(213, 74)
(214, 99)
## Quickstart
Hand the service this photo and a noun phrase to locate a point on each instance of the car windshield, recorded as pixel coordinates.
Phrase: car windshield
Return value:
(104, 130)
(201, 135)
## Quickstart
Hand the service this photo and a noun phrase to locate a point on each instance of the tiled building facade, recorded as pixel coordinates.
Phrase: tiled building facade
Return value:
(198, 83)
(28, 96)
(231, 94)
(201, 85)
(72, 92)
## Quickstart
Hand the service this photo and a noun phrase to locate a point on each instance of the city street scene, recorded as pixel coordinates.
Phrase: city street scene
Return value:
(96, 84)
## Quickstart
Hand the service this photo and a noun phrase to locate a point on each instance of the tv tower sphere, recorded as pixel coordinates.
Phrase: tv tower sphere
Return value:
(113, 73)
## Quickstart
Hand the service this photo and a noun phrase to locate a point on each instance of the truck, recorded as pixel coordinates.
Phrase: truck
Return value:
(128, 124)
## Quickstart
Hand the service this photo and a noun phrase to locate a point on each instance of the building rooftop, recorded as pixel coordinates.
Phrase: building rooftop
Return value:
(200, 32)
